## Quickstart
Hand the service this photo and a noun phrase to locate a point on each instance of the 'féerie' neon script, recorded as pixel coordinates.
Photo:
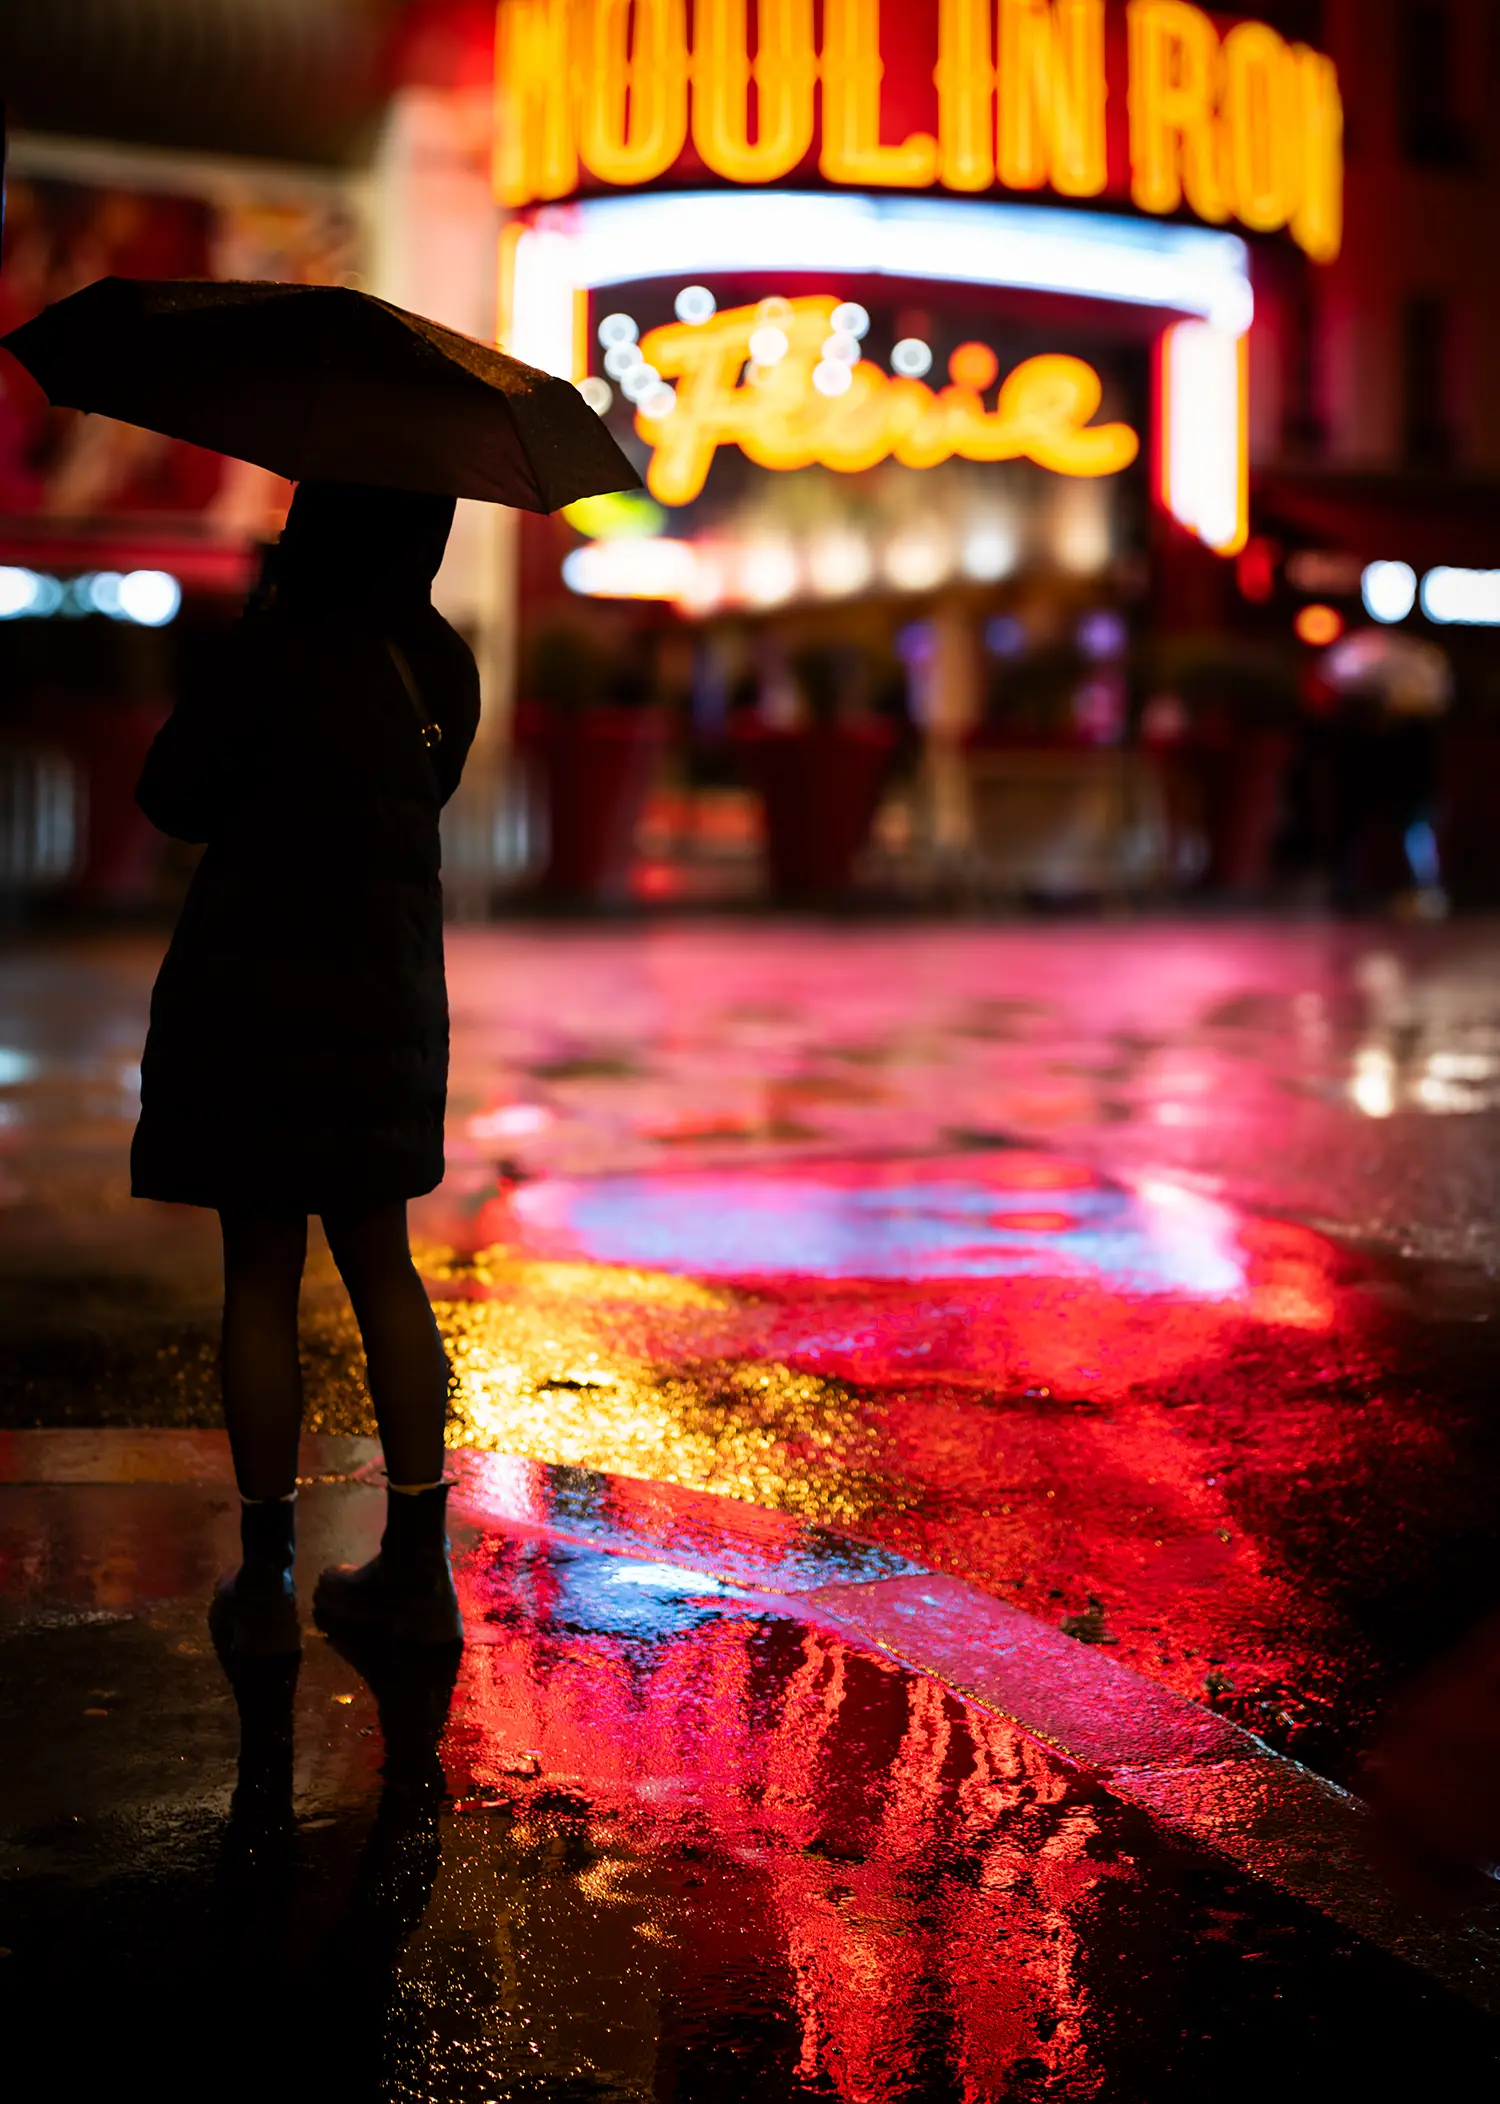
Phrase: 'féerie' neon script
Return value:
(778, 419)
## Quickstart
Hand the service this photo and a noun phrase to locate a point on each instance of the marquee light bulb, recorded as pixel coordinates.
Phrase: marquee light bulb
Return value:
(617, 329)
(768, 344)
(851, 318)
(832, 377)
(620, 357)
(597, 393)
(695, 305)
(842, 347)
(911, 357)
(639, 381)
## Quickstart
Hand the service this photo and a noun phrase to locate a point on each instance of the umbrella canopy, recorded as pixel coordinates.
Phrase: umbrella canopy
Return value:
(319, 382)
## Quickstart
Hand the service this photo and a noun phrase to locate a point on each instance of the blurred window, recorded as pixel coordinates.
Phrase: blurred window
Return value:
(1431, 133)
(1427, 328)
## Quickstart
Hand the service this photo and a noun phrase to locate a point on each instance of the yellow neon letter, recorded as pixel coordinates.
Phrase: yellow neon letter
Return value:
(1174, 63)
(784, 71)
(1262, 118)
(633, 118)
(965, 79)
(1047, 402)
(779, 420)
(852, 73)
(1052, 95)
(536, 154)
(1318, 221)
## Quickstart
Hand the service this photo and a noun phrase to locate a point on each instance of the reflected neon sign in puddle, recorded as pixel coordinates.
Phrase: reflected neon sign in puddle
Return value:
(1001, 1216)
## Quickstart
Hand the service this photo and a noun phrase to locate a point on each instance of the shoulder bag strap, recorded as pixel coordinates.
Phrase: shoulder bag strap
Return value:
(432, 732)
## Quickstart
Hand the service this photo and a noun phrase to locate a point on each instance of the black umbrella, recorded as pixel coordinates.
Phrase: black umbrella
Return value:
(318, 382)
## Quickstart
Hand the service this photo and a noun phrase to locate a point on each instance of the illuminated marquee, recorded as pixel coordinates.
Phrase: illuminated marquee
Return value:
(777, 417)
(1241, 125)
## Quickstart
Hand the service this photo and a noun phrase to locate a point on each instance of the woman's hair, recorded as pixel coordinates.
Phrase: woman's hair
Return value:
(352, 548)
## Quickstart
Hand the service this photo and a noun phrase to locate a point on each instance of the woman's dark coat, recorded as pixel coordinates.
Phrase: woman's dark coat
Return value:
(298, 1051)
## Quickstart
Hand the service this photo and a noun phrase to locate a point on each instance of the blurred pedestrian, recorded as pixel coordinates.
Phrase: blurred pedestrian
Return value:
(298, 1050)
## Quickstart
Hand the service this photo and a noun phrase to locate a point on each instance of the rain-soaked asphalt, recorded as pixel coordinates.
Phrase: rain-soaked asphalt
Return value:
(650, 1839)
(1141, 1275)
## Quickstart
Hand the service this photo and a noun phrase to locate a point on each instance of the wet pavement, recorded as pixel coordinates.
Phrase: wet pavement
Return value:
(661, 1834)
(1140, 1277)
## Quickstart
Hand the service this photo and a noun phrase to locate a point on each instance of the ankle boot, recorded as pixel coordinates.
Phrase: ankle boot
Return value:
(406, 1592)
(254, 1611)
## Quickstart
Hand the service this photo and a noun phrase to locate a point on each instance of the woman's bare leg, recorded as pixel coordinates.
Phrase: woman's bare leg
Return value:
(408, 1368)
(406, 1593)
(260, 1372)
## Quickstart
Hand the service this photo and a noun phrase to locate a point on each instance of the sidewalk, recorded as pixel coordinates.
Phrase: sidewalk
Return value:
(719, 1805)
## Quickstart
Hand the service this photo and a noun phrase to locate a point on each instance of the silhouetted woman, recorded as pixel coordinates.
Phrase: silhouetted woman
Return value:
(297, 1059)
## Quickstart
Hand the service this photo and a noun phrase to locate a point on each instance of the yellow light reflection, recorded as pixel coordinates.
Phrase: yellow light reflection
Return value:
(630, 1371)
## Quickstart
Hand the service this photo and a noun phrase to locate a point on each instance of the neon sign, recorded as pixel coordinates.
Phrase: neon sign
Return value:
(1241, 126)
(776, 413)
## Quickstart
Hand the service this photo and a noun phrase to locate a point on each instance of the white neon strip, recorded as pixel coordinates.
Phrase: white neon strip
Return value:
(1093, 255)
(1204, 484)
(541, 301)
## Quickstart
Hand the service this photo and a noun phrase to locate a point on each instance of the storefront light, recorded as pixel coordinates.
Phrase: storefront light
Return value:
(708, 587)
(1389, 590)
(1103, 635)
(769, 573)
(989, 552)
(1080, 535)
(630, 569)
(1467, 598)
(839, 565)
(1005, 636)
(147, 598)
(18, 593)
(1319, 625)
(916, 561)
